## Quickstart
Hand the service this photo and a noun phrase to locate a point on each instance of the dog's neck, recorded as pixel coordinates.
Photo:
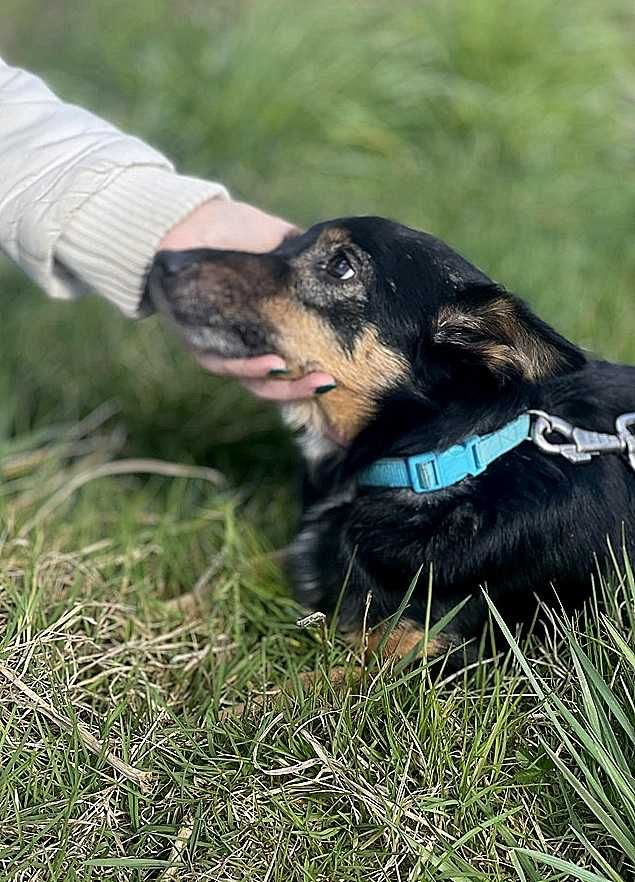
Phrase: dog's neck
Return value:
(316, 436)
(411, 420)
(404, 423)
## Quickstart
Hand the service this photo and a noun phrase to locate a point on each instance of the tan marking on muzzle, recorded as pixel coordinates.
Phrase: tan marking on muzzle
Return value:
(307, 342)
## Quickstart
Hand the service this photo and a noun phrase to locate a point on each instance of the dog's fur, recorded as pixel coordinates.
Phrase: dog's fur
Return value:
(426, 350)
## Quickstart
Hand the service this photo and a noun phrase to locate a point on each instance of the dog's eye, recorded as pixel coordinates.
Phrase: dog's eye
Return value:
(340, 268)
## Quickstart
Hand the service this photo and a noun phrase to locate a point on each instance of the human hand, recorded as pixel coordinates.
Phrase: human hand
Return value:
(237, 226)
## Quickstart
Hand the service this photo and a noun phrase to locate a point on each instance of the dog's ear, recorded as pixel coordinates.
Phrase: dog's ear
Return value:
(498, 331)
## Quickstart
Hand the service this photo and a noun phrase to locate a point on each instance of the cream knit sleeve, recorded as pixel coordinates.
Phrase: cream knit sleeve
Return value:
(83, 206)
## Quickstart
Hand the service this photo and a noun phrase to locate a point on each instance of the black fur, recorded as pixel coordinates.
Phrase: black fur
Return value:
(531, 524)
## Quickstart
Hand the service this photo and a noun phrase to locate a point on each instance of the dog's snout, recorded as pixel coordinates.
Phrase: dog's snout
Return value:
(172, 262)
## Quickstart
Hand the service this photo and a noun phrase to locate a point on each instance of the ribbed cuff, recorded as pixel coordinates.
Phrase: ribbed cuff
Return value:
(109, 242)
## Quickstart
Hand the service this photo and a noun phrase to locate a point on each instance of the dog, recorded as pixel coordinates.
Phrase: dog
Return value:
(438, 368)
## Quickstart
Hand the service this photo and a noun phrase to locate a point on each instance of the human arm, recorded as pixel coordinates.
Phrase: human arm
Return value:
(84, 206)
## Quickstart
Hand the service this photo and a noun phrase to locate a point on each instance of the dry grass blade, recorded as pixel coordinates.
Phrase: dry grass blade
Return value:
(120, 467)
(141, 778)
(180, 844)
(193, 600)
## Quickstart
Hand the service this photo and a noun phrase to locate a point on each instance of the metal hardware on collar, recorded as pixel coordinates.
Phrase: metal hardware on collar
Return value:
(625, 426)
(436, 470)
(583, 444)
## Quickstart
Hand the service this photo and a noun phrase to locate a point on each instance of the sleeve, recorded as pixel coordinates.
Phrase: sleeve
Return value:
(83, 206)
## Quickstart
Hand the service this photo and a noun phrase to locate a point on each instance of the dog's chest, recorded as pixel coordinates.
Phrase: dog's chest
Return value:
(396, 532)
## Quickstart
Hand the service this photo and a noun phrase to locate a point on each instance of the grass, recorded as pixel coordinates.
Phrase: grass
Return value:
(506, 128)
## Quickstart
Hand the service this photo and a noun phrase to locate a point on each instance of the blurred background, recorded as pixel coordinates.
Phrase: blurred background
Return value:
(507, 128)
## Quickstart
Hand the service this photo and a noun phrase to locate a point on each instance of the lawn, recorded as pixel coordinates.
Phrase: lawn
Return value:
(507, 128)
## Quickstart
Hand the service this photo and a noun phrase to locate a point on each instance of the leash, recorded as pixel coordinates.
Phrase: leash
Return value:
(585, 444)
(436, 470)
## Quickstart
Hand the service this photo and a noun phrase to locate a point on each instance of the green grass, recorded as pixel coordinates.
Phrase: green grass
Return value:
(505, 127)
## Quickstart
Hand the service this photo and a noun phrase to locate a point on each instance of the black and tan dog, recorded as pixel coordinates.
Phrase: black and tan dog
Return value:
(427, 352)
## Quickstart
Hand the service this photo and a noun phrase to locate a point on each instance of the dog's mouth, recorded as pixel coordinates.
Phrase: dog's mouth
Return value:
(201, 325)
(214, 341)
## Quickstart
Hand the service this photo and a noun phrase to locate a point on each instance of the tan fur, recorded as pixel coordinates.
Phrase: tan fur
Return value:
(506, 340)
(307, 343)
(333, 236)
(404, 637)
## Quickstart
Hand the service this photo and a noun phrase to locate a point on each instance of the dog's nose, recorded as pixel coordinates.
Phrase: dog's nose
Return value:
(172, 262)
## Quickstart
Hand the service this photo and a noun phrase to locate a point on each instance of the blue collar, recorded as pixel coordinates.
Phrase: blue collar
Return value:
(427, 472)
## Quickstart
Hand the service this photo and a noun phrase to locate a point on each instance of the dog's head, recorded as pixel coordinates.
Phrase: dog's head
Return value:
(379, 306)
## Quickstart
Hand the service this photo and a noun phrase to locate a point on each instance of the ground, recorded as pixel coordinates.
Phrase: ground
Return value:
(506, 128)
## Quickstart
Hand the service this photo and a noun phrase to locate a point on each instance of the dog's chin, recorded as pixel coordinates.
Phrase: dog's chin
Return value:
(215, 341)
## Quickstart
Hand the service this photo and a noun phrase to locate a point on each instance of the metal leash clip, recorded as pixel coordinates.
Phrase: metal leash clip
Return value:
(582, 445)
(625, 426)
